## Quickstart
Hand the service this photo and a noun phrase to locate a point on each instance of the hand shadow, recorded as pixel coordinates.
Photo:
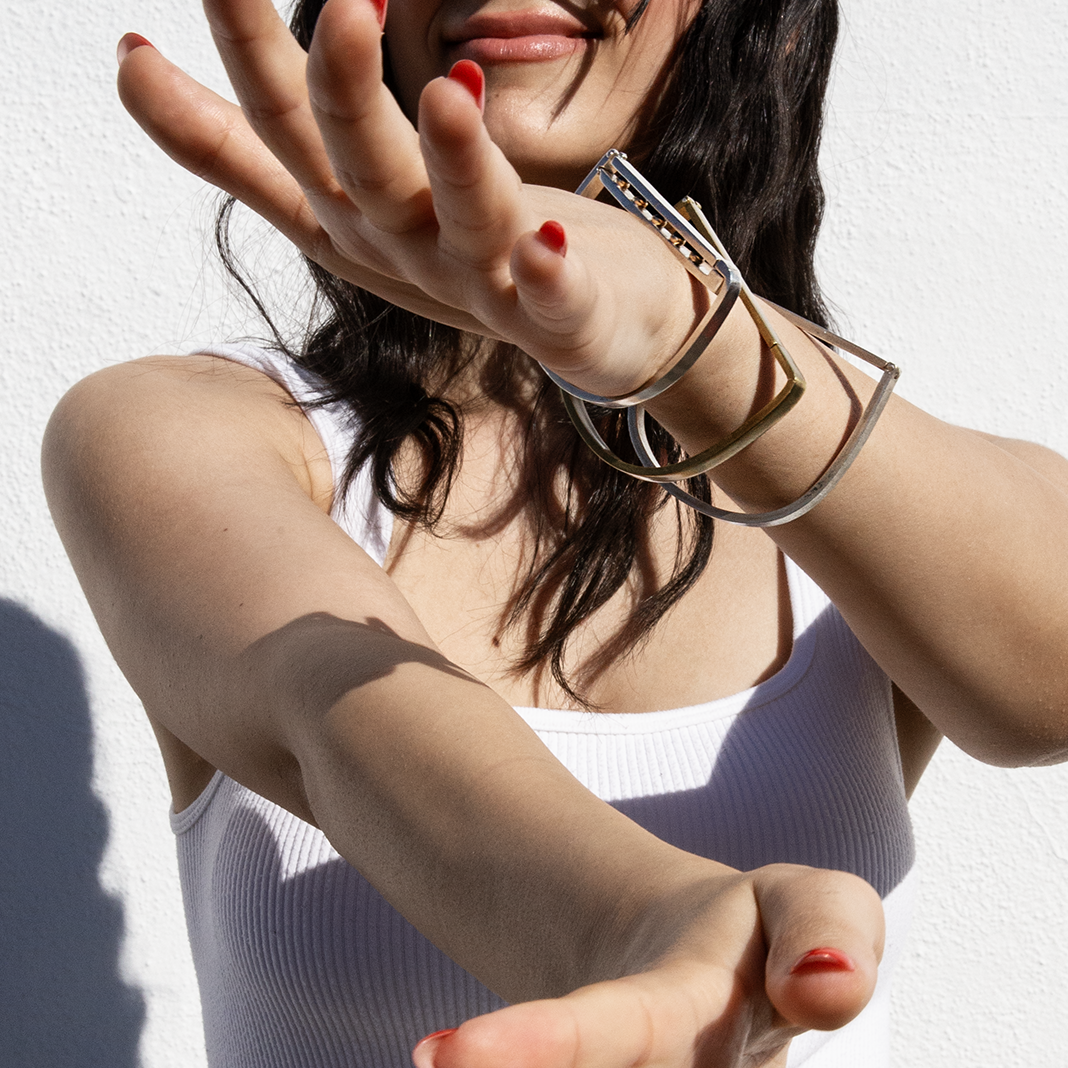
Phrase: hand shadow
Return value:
(62, 999)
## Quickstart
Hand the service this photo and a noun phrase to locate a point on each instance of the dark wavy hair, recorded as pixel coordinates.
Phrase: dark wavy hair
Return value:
(738, 128)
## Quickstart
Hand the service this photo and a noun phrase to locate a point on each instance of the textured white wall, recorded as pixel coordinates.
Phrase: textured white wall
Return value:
(944, 250)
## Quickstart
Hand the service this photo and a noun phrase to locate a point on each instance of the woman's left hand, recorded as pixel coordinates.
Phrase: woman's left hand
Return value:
(942, 548)
(436, 221)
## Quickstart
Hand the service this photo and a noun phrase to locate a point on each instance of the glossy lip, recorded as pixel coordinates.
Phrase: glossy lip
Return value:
(518, 37)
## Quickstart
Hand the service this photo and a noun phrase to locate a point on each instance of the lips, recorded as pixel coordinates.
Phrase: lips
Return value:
(519, 37)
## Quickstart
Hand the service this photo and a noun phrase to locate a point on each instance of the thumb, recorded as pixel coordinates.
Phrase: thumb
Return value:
(575, 318)
(825, 934)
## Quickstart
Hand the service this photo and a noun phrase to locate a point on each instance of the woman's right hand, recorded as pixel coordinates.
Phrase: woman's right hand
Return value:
(768, 955)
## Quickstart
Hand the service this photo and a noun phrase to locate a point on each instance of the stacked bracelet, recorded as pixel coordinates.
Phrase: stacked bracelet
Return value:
(702, 261)
(689, 234)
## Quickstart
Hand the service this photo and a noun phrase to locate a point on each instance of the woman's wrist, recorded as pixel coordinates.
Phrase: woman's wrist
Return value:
(736, 377)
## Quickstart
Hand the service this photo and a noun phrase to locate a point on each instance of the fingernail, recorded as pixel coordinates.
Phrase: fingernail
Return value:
(380, 10)
(469, 74)
(553, 236)
(823, 960)
(423, 1054)
(129, 43)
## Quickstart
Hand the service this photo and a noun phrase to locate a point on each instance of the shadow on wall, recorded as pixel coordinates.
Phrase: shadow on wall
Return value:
(62, 1000)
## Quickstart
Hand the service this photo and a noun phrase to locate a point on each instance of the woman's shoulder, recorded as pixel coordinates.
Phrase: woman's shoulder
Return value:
(192, 495)
(200, 411)
(205, 384)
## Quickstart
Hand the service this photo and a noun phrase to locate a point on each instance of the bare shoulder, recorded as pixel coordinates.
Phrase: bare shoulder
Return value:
(192, 496)
(166, 408)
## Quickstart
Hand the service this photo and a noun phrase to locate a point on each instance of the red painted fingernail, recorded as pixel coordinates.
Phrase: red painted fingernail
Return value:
(380, 11)
(823, 960)
(469, 74)
(129, 42)
(432, 1039)
(552, 234)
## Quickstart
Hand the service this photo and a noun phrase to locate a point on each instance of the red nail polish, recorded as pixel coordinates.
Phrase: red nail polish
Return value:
(439, 1034)
(469, 74)
(436, 1036)
(823, 960)
(128, 43)
(380, 11)
(552, 234)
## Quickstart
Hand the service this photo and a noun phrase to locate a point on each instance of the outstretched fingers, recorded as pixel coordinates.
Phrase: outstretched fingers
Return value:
(211, 138)
(825, 933)
(373, 147)
(490, 227)
(478, 197)
(268, 70)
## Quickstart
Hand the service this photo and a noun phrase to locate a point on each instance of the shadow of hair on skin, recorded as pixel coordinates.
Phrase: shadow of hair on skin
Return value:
(62, 1000)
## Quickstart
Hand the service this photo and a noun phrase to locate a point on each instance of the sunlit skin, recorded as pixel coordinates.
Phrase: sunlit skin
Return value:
(193, 499)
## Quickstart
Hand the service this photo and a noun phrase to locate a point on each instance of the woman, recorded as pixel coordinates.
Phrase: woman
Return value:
(271, 645)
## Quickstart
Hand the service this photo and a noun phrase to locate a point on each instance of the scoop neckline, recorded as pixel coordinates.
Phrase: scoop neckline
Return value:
(579, 721)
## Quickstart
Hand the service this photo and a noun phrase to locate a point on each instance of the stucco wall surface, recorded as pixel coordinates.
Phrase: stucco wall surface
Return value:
(944, 249)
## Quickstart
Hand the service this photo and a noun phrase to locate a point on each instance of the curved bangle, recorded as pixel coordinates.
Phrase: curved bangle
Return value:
(705, 260)
(835, 470)
(690, 235)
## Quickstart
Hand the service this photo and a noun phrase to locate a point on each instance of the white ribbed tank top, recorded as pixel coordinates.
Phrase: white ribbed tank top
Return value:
(302, 964)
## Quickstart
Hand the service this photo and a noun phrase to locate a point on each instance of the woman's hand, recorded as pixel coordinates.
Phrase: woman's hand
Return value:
(768, 955)
(436, 221)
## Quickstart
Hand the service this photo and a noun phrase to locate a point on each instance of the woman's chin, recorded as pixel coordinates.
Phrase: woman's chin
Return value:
(547, 155)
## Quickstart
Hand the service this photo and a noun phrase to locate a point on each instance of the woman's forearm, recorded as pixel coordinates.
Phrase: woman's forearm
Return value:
(943, 548)
(443, 798)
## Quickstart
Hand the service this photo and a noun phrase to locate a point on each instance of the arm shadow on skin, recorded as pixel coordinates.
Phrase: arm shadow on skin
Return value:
(315, 659)
(63, 1002)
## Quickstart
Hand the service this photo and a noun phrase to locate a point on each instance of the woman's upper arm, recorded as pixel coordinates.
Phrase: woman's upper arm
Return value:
(192, 497)
(1049, 464)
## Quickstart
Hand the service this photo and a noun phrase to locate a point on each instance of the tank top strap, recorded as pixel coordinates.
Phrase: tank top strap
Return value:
(358, 511)
(807, 600)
